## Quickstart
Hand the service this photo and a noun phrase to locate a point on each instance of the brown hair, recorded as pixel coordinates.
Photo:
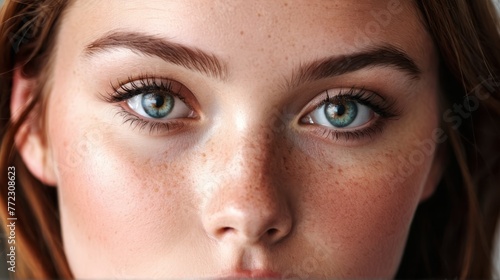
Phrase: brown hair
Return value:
(27, 36)
(452, 234)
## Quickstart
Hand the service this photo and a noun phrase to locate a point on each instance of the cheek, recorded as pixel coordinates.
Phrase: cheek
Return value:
(363, 209)
(112, 199)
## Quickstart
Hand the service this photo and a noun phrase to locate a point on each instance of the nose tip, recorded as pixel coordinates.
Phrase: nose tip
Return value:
(249, 224)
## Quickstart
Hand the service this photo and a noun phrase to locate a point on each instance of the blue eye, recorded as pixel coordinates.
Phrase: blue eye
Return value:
(158, 105)
(341, 113)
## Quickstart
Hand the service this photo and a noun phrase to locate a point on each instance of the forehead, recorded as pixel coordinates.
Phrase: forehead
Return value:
(330, 25)
(253, 37)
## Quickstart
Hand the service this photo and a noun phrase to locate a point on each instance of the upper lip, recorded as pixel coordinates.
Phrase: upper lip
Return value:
(252, 274)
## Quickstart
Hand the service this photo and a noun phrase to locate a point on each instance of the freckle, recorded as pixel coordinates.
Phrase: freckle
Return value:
(269, 36)
(203, 155)
(241, 32)
(259, 15)
(156, 189)
(339, 170)
(286, 4)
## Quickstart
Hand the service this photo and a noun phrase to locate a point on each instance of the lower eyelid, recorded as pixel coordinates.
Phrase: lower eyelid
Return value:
(356, 136)
(136, 122)
(349, 137)
(305, 122)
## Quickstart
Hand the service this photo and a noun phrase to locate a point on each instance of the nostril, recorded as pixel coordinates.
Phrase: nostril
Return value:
(224, 230)
(234, 223)
(272, 232)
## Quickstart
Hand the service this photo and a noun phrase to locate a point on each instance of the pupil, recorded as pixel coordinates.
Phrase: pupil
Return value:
(339, 110)
(159, 101)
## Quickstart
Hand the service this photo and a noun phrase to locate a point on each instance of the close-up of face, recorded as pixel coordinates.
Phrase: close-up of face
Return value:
(240, 138)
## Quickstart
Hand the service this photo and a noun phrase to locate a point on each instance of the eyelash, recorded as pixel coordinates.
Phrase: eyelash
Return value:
(140, 85)
(122, 92)
(384, 108)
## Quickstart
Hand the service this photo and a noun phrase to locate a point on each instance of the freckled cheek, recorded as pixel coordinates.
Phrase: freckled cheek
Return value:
(364, 211)
(112, 196)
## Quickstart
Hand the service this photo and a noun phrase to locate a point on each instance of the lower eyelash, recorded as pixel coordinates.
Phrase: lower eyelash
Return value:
(368, 132)
(154, 127)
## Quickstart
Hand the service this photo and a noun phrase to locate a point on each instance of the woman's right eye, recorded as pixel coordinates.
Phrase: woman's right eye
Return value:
(158, 105)
(154, 103)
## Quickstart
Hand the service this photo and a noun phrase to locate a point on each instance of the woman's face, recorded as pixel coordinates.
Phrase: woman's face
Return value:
(241, 138)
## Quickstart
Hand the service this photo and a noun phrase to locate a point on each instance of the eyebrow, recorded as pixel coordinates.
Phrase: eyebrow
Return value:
(187, 57)
(382, 56)
(212, 66)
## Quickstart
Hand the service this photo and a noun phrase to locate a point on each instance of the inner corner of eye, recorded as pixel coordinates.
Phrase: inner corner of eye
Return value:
(307, 119)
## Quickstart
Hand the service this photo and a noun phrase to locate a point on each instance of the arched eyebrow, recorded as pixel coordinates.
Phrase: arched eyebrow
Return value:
(379, 56)
(187, 57)
(212, 66)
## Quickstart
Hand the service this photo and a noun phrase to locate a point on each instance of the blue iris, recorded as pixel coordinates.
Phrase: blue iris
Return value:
(341, 114)
(157, 105)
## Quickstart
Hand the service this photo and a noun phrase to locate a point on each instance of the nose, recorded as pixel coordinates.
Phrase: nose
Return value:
(248, 216)
(248, 203)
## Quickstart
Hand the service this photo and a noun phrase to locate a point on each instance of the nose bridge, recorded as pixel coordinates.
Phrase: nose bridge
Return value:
(246, 201)
(248, 147)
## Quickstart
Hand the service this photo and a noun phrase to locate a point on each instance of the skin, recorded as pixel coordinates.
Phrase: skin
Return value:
(244, 188)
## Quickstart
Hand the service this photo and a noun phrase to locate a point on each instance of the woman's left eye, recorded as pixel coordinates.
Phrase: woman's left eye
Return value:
(158, 105)
(341, 113)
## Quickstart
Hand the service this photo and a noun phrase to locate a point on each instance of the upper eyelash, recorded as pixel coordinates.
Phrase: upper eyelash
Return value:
(382, 106)
(123, 92)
